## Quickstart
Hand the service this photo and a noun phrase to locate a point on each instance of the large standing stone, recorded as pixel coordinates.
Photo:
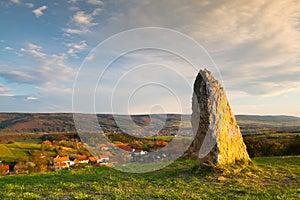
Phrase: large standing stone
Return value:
(218, 138)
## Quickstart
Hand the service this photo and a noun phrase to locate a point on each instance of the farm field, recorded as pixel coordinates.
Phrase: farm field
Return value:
(11, 152)
(25, 151)
(265, 178)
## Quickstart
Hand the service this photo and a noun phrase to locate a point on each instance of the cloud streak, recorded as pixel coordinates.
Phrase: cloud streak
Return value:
(39, 11)
(4, 89)
(52, 70)
(75, 48)
(8, 48)
(16, 1)
(83, 20)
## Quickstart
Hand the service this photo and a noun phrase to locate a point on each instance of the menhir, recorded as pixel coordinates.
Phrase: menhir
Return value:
(218, 139)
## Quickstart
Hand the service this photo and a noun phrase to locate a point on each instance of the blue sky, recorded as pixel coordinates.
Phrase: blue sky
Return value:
(255, 44)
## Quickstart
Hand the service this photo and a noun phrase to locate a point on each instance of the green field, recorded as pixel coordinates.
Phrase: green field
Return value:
(17, 150)
(279, 135)
(265, 178)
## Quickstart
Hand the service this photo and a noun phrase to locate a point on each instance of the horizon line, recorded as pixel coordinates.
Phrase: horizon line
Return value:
(68, 112)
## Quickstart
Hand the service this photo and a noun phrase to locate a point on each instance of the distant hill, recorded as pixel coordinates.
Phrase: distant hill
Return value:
(257, 123)
(269, 118)
(63, 122)
(36, 122)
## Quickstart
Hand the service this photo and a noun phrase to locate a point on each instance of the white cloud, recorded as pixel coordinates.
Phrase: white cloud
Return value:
(73, 8)
(96, 11)
(30, 98)
(7, 95)
(34, 46)
(4, 89)
(49, 74)
(18, 76)
(95, 2)
(83, 19)
(16, 1)
(83, 22)
(52, 68)
(29, 5)
(74, 31)
(34, 50)
(75, 48)
(39, 11)
(8, 48)
(90, 57)
(80, 46)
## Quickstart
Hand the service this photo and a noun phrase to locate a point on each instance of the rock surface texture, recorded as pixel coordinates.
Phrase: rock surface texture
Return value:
(218, 138)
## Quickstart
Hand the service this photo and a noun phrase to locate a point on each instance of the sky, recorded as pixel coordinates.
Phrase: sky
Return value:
(254, 44)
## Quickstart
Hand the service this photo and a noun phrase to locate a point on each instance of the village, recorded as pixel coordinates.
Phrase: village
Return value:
(72, 154)
(44, 161)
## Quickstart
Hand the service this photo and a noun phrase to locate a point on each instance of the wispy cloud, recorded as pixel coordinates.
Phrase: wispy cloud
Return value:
(4, 89)
(30, 98)
(95, 2)
(83, 22)
(7, 95)
(74, 8)
(19, 77)
(16, 1)
(75, 48)
(29, 5)
(82, 18)
(8, 48)
(34, 50)
(74, 31)
(52, 69)
(39, 11)
(44, 75)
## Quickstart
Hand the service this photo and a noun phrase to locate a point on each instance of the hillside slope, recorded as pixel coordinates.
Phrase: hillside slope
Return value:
(63, 122)
(183, 179)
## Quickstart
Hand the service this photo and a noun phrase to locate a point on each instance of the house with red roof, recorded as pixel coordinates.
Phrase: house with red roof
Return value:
(103, 158)
(4, 169)
(93, 159)
(47, 142)
(62, 162)
(82, 159)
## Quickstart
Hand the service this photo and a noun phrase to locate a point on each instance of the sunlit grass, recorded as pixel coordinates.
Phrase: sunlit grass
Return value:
(265, 178)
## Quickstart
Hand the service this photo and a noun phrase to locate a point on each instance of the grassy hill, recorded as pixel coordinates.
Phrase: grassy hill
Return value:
(266, 178)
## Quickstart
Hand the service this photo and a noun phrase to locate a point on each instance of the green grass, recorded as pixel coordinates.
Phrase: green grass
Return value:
(265, 178)
(161, 137)
(5, 152)
(17, 150)
(277, 135)
(169, 138)
(36, 141)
